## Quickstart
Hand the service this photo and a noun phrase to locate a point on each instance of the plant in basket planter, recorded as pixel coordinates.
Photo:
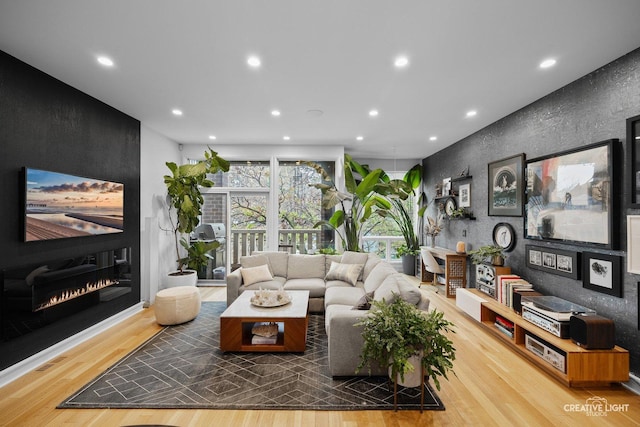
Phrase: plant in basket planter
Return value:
(394, 333)
(493, 253)
(185, 200)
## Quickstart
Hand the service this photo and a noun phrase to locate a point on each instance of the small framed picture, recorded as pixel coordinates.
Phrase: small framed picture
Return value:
(549, 260)
(633, 244)
(602, 273)
(446, 187)
(555, 261)
(464, 200)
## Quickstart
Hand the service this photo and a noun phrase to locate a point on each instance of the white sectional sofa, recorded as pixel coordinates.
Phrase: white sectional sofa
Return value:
(341, 286)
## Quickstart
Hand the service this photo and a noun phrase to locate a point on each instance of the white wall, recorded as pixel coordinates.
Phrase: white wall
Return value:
(157, 246)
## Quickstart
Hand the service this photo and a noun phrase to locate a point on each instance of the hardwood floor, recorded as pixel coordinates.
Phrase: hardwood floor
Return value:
(492, 386)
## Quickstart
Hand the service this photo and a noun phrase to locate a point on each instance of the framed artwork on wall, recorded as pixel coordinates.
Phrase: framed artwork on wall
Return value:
(601, 273)
(505, 186)
(633, 244)
(570, 196)
(633, 162)
(464, 199)
(555, 261)
(504, 236)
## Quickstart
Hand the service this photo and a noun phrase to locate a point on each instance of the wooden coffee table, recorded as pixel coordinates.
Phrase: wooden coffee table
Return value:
(292, 319)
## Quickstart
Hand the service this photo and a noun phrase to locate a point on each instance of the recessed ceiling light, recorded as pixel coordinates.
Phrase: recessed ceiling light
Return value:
(548, 63)
(286, 138)
(401, 62)
(176, 112)
(275, 113)
(373, 113)
(212, 137)
(433, 138)
(471, 113)
(254, 61)
(106, 61)
(359, 138)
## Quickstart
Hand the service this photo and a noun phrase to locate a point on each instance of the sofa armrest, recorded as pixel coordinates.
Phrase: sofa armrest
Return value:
(345, 345)
(234, 281)
(424, 302)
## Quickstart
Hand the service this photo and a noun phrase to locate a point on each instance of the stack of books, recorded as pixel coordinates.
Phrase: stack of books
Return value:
(505, 326)
(505, 285)
(264, 333)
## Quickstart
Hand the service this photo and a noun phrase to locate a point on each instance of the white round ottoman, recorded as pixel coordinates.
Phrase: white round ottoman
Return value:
(177, 305)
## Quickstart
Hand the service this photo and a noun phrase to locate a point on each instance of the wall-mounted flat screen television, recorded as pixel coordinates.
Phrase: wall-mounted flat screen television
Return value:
(59, 205)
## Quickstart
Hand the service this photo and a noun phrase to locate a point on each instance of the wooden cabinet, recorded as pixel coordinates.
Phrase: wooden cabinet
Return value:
(581, 367)
(455, 268)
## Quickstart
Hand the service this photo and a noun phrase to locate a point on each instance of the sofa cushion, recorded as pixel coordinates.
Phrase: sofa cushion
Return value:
(377, 276)
(249, 261)
(277, 260)
(305, 267)
(387, 291)
(346, 272)
(257, 274)
(341, 284)
(350, 257)
(328, 259)
(372, 261)
(342, 296)
(315, 286)
(364, 303)
(408, 292)
(275, 283)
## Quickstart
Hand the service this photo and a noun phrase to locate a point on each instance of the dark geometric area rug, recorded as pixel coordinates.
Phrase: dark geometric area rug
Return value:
(182, 367)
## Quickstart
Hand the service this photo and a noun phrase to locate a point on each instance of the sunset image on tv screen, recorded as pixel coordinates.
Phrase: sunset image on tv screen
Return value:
(60, 205)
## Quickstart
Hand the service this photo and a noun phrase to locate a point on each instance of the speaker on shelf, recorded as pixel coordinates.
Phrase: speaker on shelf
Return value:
(592, 331)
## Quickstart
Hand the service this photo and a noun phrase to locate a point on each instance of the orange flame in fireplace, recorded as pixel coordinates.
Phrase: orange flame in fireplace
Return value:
(69, 294)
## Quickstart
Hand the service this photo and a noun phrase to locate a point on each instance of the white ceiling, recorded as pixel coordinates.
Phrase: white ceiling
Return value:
(332, 55)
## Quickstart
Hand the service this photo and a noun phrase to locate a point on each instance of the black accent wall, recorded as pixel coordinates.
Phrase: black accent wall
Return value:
(591, 109)
(49, 125)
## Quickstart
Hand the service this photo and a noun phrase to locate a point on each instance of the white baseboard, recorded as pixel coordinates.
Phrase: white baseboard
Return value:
(633, 384)
(27, 365)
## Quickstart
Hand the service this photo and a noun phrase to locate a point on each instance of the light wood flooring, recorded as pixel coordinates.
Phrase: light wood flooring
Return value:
(492, 386)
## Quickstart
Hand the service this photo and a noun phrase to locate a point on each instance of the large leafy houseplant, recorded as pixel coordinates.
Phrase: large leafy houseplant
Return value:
(394, 332)
(184, 197)
(398, 191)
(365, 192)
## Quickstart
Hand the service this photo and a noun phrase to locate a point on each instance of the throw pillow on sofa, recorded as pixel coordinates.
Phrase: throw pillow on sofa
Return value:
(377, 276)
(387, 291)
(345, 272)
(363, 303)
(257, 274)
(250, 261)
(350, 257)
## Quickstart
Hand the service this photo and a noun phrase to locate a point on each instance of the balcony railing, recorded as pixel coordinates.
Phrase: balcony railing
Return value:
(244, 242)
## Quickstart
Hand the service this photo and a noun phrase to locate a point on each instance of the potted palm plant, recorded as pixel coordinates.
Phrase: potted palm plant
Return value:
(402, 337)
(185, 200)
(398, 192)
(365, 193)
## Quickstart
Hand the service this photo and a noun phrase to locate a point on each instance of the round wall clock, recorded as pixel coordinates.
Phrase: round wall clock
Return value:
(504, 236)
(450, 205)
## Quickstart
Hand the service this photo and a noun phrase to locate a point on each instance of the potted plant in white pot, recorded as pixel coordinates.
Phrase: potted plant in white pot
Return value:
(185, 201)
(402, 337)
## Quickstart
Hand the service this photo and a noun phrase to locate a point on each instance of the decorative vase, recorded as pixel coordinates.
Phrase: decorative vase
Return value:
(433, 240)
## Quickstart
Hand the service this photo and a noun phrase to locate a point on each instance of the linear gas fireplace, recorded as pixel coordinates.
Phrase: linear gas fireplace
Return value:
(35, 296)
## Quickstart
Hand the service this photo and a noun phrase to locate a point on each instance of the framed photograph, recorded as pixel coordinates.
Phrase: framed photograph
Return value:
(446, 187)
(464, 199)
(570, 196)
(555, 261)
(602, 273)
(633, 244)
(633, 162)
(505, 186)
